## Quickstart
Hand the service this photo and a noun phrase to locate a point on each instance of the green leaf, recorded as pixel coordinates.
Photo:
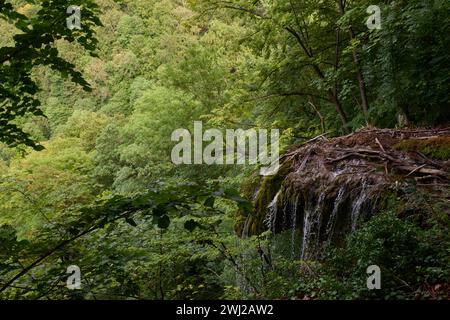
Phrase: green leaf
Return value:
(38, 147)
(191, 224)
(164, 222)
(209, 202)
(131, 222)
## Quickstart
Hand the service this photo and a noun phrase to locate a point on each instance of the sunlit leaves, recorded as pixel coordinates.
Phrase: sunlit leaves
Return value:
(34, 46)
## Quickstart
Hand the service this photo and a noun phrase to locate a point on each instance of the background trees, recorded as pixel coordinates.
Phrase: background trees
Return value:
(33, 31)
(321, 56)
(303, 66)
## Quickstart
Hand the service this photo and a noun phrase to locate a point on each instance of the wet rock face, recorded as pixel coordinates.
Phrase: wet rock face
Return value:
(325, 189)
(324, 207)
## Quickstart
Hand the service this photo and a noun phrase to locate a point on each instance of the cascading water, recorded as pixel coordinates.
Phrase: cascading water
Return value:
(326, 188)
(245, 230)
(320, 215)
(306, 231)
(333, 217)
(311, 225)
(248, 221)
(358, 204)
(272, 213)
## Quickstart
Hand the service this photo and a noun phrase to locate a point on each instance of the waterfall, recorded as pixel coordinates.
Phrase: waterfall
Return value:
(246, 227)
(321, 215)
(271, 218)
(333, 217)
(306, 231)
(357, 205)
(326, 190)
(311, 224)
(318, 216)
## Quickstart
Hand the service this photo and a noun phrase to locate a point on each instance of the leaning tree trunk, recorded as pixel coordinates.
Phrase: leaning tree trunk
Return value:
(359, 74)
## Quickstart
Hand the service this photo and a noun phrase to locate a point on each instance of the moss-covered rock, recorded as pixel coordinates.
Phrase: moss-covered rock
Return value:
(434, 147)
(261, 190)
(325, 189)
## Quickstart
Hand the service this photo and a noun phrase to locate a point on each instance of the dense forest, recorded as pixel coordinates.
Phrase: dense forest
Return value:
(89, 102)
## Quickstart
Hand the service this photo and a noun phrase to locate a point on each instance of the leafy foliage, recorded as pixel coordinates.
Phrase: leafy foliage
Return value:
(104, 100)
(34, 37)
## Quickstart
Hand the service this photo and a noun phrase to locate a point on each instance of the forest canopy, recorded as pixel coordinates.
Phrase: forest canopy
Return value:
(87, 114)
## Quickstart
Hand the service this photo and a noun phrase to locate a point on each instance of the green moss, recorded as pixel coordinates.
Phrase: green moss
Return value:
(251, 185)
(438, 148)
(269, 187)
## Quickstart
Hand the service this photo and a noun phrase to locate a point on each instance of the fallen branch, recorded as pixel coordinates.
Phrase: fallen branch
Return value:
(379, 143)
(433, 172)
(416, 169)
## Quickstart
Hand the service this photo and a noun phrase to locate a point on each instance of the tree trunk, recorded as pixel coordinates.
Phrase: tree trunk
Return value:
(333, 97)
(360, 76)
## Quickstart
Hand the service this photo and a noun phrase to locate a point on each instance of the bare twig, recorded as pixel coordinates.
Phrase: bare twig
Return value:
(379, 143)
